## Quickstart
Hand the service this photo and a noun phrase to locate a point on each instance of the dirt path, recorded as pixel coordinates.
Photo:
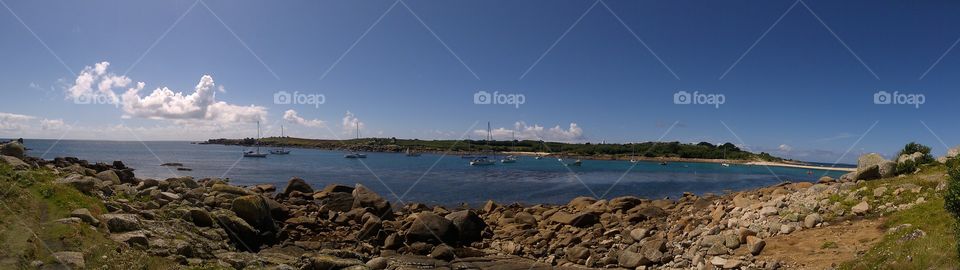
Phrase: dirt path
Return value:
(826, 247)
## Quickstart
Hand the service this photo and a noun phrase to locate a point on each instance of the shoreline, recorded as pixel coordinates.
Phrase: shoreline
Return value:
(800, 165)
(300, 219)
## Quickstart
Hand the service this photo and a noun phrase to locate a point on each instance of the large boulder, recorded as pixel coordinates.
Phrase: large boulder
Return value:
(14, 162)
(868, 173)
(469, 225)
(244, 236)
(885, 167)
(109, 176)
(82, 183)
(13, 149)
(582, 219)
(327, 262)
(366, 198)
(431, 228)
(297, 184)
(255, 211)
(951, 153)
(86, 216)
(118, 223)
(861, 208)
(909, 157)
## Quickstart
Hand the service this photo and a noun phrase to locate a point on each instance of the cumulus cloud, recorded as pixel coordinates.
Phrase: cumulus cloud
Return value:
(292, 117)
(351, 123)
(162, 103)
(97, 75)
(523, 131)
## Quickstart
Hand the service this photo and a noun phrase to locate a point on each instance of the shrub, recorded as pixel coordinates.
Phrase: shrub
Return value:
(912, 165)
(951, 200)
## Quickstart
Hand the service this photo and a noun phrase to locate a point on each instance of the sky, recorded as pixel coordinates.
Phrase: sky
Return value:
(798, 79)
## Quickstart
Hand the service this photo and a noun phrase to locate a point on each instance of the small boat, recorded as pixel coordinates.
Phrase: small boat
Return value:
(663, 163)
(481, 162)
(281, 150)
(538, 157)
(634, 161)
(575, 163)
(184, 169)
(725, 164)
(412, 153)
(511, 158)
(355, 154)
(256, 154)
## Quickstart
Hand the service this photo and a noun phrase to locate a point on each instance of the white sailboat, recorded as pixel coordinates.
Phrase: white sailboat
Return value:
(256, 154)
(355, 154)
(282, 150)
(510, 158)
(412, 153)
(484, 161)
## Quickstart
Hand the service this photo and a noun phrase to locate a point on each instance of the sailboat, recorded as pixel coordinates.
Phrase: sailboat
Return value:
(633, 158)
(282, 150)
(483, 161)
(412, 153)
(256, 154)
(355, 154)
(510, 158)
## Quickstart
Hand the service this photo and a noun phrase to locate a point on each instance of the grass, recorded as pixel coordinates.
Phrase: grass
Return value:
(937, 250)
(29, 205)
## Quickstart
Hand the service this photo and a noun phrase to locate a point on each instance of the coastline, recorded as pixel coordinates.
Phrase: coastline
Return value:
(315, 226)
(799, 165)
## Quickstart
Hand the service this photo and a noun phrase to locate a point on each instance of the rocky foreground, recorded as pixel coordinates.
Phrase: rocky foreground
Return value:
(211, 223)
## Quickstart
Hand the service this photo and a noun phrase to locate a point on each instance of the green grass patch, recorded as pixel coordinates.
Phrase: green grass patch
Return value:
(29, 205)
(936, 250)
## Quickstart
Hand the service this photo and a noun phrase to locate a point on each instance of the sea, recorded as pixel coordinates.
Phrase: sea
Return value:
(430, 178)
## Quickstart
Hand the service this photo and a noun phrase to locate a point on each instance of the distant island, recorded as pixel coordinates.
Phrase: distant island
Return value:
(703, 151)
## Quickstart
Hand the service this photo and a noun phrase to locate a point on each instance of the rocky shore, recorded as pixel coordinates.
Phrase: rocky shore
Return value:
(211, 223)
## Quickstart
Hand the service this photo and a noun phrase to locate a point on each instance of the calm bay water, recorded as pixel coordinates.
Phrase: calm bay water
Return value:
(438, 179)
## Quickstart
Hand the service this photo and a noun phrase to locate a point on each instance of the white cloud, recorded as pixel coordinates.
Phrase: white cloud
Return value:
(522, 131)
(52, 124)
(163, 103)
(14, 122)
(83, 86)
(291, 116)
(784, 148)
(19, 125)
(351, 124)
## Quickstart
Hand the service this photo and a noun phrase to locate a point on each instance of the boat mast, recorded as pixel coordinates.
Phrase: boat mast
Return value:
(258, 137)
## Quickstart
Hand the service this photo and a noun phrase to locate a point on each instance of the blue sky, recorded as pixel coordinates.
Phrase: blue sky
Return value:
(804, 90)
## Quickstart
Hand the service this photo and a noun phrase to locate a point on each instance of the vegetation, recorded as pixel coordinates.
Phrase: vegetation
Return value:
(30, 204)
(936, 250)
(703, 150)
(952, 197)
(911, 166)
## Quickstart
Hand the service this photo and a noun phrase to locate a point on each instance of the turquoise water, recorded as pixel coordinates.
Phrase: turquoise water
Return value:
(439, 179)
